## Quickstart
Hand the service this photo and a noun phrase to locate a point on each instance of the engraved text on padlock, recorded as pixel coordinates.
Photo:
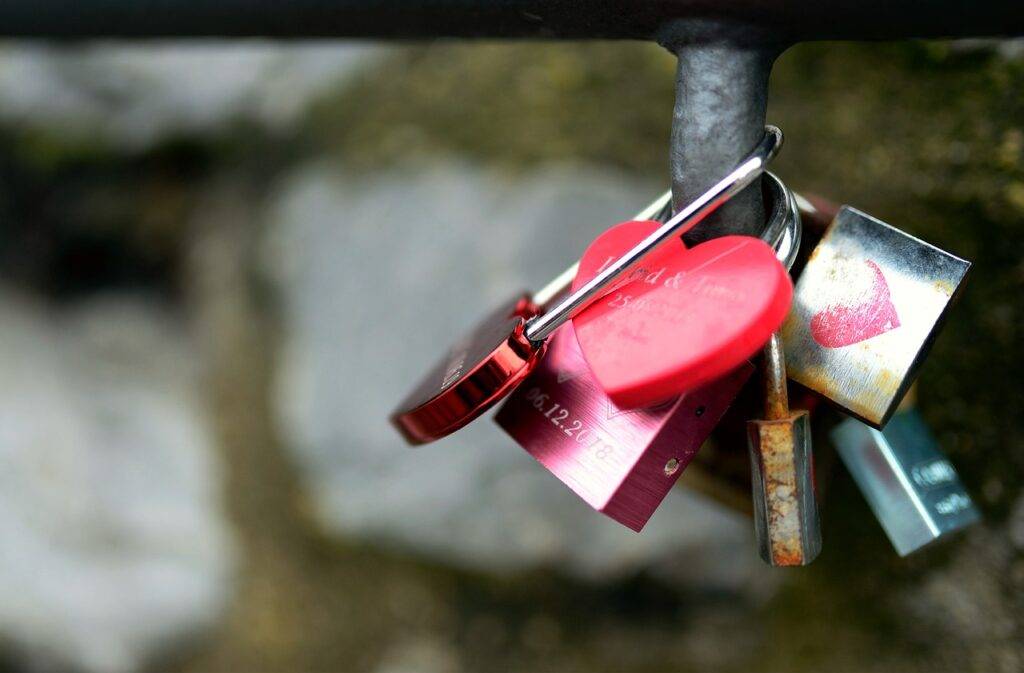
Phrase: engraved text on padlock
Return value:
(910, 485)
(622, 462)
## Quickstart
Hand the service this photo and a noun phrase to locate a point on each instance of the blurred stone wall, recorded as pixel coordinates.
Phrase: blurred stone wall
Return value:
(311, 221)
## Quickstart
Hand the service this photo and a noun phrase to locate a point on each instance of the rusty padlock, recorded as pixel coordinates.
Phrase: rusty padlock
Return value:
(782, 472)
(781, 459)
(865, 311)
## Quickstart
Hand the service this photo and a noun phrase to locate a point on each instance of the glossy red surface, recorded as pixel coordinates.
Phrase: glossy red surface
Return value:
(478, 371)
(622, 462)
(682, 319)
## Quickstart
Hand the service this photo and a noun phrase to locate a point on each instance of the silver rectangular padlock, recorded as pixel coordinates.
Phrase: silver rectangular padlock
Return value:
(865, 311)
(911, 487)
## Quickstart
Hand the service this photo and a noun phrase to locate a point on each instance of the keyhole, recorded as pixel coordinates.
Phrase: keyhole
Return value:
(671, 467)
(699, 411)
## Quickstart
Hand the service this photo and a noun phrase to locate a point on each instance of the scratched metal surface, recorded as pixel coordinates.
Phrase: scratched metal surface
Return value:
(865, 310)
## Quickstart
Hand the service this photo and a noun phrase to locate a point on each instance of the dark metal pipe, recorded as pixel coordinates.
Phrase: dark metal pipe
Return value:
(721, 96)
(618, 19)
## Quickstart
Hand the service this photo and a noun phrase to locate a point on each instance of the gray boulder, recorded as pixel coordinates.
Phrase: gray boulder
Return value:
(133, 96)
(113, 547)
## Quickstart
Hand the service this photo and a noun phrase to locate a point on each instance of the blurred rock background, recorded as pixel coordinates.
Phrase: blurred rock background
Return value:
(221, 264)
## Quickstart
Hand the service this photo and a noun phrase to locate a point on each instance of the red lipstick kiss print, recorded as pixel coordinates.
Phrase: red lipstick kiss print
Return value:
(867, 316)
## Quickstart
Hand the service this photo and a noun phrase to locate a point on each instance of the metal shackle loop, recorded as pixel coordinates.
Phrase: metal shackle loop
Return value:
(783, 229)
(748, 170)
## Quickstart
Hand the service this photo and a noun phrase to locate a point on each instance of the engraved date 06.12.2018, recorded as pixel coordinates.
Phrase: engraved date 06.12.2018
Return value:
(562, 419)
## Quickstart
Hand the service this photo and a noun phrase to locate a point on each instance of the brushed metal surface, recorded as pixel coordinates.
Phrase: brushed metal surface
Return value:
(865, 311)
(622, 462)
(909, 484)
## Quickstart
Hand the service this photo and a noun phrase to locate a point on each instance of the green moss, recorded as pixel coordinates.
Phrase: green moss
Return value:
(507, 105)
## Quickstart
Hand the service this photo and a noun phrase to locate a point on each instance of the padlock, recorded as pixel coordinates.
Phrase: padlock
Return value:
(622, 462)
(721, 471)
(912, 488)
(865, 311)
(782, 472)
(688, 316)
(500, 352)
(782, 462)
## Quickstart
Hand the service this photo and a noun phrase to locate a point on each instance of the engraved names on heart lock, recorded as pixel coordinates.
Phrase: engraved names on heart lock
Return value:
(686, 317)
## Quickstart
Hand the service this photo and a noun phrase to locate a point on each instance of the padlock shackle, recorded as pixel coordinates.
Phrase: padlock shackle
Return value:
(660, 209)
(776, 396)
(787, 247)
(748, 170)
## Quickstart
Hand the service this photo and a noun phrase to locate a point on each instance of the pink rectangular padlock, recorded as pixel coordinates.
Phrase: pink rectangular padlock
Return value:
(622, 462)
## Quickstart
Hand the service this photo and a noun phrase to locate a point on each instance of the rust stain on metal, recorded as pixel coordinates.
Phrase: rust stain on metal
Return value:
(781, 497)
(944, 287)
(890, 315)
(884, 384)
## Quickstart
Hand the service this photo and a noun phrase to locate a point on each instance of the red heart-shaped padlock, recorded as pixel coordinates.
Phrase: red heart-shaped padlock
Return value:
(683, 318)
